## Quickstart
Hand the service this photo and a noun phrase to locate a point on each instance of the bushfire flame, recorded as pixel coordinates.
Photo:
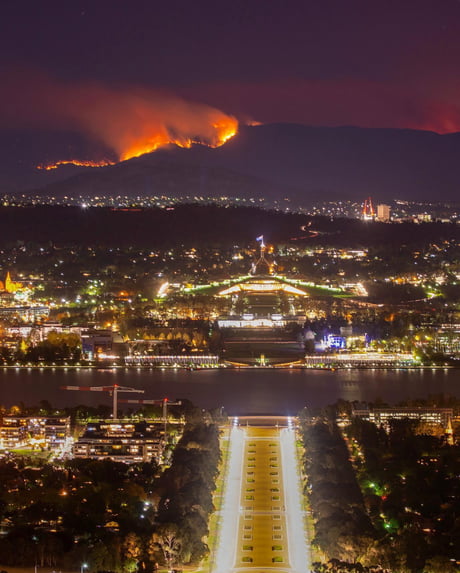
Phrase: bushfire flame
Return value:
(128, 122)
(77, 162)
(222, 132)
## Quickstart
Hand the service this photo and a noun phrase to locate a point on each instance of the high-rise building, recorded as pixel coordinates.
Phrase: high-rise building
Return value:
(383, 213)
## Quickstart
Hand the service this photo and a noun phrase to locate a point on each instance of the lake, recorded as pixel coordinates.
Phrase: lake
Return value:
(245, 391)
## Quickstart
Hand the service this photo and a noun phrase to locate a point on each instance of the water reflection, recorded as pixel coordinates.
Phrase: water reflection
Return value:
(240, 391)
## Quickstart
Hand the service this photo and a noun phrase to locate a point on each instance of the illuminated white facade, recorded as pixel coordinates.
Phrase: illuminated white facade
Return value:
(263, 285)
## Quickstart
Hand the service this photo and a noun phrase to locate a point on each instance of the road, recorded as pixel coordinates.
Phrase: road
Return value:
(262, 523)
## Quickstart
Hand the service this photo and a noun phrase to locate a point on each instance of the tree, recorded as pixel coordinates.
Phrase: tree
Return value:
(103, 556)
(167, 541)
(131, 550)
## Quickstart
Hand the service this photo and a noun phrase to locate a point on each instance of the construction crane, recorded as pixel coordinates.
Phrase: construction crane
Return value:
(165, 403)
(115, 389)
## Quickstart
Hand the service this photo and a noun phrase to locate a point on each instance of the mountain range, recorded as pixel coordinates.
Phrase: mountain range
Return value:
(275, 161)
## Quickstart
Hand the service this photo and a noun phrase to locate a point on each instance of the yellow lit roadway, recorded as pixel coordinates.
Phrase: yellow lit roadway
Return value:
(262, 524)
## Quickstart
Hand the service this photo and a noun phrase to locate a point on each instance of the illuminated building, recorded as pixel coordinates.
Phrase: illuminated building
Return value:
(449, 433)
(423, 218)
(447, 339)
(362, 360)
(47, 431)
(25, 313)
(13, 433)
(98, 342)
(429, 416)
(383, 213)
(9, 285)
(173, 361)
(335, 341)
(50, 326)
(263, 285)
(129, 442)
(265, 296)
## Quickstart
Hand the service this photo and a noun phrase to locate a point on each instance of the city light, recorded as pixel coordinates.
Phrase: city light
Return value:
(154, 244)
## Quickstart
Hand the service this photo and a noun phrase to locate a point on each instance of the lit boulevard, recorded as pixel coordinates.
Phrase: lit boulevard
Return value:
(262, 520)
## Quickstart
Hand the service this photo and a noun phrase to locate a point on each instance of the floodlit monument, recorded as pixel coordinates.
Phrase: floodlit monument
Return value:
(263, 299)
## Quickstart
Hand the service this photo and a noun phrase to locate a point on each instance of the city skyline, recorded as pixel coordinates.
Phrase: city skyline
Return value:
(229, 286)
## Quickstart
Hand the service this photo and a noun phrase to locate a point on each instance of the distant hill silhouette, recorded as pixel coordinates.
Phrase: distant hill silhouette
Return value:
(288, 160)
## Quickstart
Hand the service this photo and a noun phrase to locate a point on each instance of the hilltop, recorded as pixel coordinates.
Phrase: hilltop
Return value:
(283, 160)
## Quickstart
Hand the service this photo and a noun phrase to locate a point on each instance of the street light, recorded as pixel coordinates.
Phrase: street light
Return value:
(83, 567)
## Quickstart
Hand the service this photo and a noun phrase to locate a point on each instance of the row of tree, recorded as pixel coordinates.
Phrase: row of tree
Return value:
(336, 566)
(186, 500)
(56, 347)
(343, 530)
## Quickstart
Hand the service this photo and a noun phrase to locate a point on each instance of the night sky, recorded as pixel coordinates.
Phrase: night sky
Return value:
(71, 69)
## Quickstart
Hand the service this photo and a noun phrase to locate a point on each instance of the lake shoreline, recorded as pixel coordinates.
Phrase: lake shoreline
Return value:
(119, 367)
